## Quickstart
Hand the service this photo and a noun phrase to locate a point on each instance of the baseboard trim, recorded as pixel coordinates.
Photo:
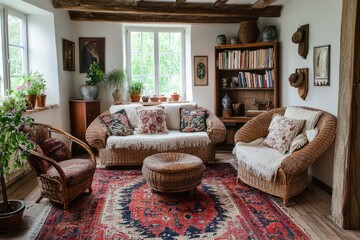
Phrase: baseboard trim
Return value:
(323, 186)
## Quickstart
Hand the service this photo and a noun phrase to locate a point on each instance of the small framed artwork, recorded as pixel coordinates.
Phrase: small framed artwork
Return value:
(322, 65)
(201, 71)
(68, 55)
(91, 50)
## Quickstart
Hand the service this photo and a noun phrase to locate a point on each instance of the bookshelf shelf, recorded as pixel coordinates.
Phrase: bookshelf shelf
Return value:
(253, 70)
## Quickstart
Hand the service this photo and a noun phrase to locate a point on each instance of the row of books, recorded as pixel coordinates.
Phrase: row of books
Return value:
(243, 59)
(253, 80)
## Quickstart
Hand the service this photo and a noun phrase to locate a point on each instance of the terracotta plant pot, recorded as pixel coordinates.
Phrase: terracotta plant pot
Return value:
(175, 97)
(10, 221)
(154, 98)
(31, 99)
(40, 101)
(135, 97)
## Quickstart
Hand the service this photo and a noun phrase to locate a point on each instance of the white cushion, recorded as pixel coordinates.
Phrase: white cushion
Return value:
(172, 112)
(311, 134)
(282, 131)
(130, 110)
(162, 142)
(261, 160)
(311, 117)
(299, 142)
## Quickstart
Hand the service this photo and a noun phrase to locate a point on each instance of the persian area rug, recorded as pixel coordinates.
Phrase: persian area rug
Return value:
(122, 206)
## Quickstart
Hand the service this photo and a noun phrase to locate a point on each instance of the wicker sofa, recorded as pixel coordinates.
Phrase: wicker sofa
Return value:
(134, 154)
(292, 176)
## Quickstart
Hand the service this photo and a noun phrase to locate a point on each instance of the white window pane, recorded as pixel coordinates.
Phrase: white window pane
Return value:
(15, 82)
(15, 30)
(16, 56)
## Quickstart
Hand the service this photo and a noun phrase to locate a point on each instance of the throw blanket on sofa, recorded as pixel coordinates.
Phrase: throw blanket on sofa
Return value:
(261, 160)
(161, 142)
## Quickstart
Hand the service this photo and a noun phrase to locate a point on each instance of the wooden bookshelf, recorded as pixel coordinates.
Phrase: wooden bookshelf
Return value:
(255, 69)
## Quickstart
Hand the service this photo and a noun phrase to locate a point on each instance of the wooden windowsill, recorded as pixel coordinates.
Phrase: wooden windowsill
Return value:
(40, 109)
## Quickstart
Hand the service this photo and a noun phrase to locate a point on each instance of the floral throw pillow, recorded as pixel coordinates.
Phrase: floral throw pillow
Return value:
(193, 120)
(282, 131)
(151, 120)
(117, 124)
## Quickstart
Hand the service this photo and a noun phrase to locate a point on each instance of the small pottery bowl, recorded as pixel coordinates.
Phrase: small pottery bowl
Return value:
(154, 99)
(162, 98)
(145, 98)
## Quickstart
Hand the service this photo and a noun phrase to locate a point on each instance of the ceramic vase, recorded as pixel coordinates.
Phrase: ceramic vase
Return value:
(221, 39)
(89, 92)
(248, 32)
(116, 94)
(226, 102)
(269, 33)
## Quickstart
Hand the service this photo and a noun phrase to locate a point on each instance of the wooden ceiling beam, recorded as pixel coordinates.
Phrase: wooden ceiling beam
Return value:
(148, 7)
(220, 3)
(116, 17)
(179, 2)
(261, 4)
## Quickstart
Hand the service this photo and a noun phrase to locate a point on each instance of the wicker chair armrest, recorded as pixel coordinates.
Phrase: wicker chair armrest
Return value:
(300, 160)
(72, 138)
(257, 127)
(95, 135)
(215, 129)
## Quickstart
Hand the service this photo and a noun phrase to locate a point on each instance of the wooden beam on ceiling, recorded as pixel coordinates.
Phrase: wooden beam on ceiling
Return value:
(164, 18)
(220, 3)
(196, 9)
(179, 2)
(261, 4)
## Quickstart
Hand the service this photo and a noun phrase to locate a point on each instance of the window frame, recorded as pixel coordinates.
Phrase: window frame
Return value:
(6, 45)
(156, 30)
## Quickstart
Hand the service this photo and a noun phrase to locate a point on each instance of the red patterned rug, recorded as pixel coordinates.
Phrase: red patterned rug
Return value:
(122, 206)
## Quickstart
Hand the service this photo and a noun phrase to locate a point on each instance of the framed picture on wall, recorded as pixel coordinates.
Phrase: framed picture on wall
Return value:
(91, 50)
(68, 55)
(322, 65)
(201, 71)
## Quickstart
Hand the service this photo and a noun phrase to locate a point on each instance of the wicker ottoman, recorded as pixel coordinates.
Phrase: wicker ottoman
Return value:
(173, 172)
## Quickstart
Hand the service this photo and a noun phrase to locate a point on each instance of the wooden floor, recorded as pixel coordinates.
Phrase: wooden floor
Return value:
(310, 209)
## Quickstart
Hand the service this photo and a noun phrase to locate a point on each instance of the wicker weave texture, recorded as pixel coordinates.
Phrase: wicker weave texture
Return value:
(130, 157)
(292, 176)
(173, 172)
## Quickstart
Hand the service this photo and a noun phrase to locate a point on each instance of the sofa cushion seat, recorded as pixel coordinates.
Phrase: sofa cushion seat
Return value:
(263, 161)
(173, 140)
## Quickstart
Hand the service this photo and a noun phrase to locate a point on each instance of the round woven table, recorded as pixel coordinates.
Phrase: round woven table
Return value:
(173, 172)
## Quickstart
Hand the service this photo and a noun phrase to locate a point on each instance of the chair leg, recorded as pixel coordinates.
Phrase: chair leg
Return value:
(285, 201)
(39, 199)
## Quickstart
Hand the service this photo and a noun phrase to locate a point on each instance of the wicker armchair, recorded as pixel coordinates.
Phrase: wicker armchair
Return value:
(292, 176)
(62, 181)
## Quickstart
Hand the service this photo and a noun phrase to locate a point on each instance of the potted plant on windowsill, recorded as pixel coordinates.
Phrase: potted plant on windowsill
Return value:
(34, 87)
(12, 122)
(116, 80)
(135, 90)
(95, 75)
(39, 84)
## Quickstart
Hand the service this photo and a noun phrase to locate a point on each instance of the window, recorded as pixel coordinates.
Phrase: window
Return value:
(156, 57)
(15, 55)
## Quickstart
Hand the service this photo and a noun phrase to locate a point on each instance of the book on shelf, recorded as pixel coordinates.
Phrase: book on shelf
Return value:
(246, 59)
(256, 80)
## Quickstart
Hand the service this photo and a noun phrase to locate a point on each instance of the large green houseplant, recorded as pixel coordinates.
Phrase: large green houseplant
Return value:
(12, 122)
(95, 75)
(135, 90)
(116, 80)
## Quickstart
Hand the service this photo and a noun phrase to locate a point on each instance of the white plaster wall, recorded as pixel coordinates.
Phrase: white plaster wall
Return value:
(203, 42)
(324, 17)
(62, 26)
